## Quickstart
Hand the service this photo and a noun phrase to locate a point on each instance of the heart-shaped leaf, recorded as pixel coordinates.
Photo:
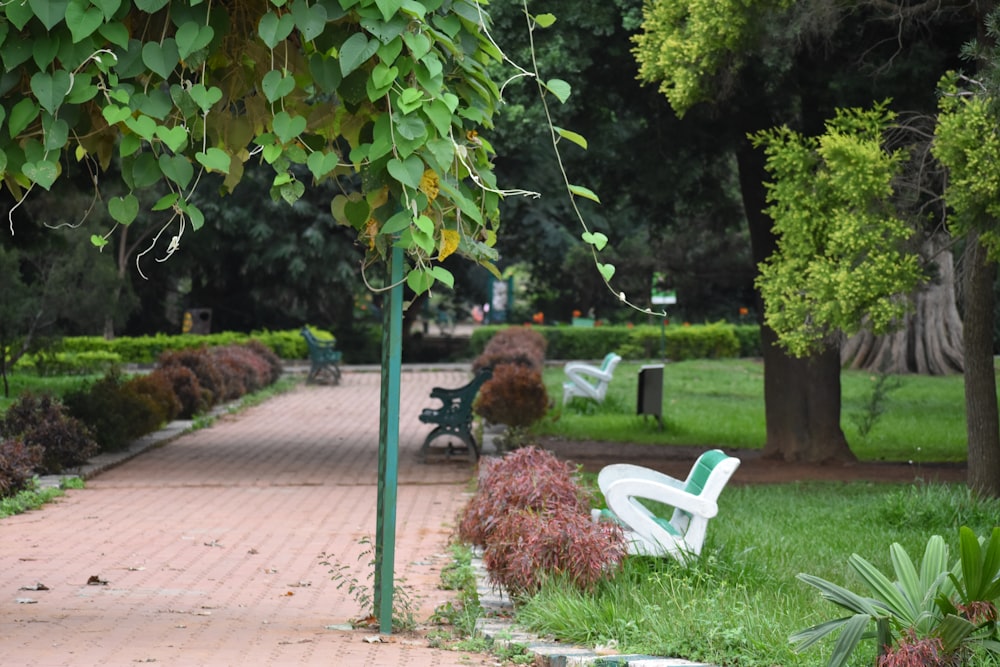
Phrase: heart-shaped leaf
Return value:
(273, 30)
(56, 133)
(321, 164)
(596, 239)
(276, 85)
(192, 36)
(177, 168)
(161, 58)
(18, 13)
(356, 51)
(43, 172)
(98, 241)
(109, 7)
(419, 280)
(51, 89)
(407, 172)
(115, 114)
(144, 126)
(83, 22)
(49, 12)
(204, 97)
(288, 127)
(124, 209)
(43, 50)
(174, 137)
(576, 138)
(410, 99)
(214, 159)
(310, 20)
(357, 212)
(418, 43)
(606, 270)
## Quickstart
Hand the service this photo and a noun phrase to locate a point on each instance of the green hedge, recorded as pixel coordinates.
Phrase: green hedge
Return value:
(703, 341)
(147, 349)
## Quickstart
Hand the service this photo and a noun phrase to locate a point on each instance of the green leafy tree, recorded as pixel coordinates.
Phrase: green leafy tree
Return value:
(766, 63)
(844, 258)
(967, 144)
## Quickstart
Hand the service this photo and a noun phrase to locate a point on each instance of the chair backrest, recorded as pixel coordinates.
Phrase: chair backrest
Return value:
(707, 478)
(610, 361)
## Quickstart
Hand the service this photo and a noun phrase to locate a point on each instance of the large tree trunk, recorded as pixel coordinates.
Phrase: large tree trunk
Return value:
(801, 396)
(930, 340)
(983, 421)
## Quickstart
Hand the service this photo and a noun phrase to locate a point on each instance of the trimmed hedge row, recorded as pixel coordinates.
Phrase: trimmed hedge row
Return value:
(94, 354)
(147, 349)
(40, 434)
(677, 343)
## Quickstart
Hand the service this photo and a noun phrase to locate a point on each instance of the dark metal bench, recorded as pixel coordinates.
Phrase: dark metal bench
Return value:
(324, 358)
(454, 417)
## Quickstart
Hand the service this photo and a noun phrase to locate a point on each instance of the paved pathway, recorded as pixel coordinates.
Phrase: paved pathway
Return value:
(206, 551)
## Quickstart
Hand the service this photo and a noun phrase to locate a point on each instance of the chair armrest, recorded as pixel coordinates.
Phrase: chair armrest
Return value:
(589, 371)
(661, 493)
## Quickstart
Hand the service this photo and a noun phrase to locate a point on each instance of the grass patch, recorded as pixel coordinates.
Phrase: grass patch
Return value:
(740, 601)
(30, 499)
(720, 403)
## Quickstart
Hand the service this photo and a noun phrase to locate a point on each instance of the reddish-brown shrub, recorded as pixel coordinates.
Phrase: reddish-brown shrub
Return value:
(527, 547)
(199, 361)
(193, 398)
(515, 396)
(17, 465)
(528, 478)
(242, 369)
(515, 345)
(115, 415)
(275, 367)
(41, 424)
(158, 389)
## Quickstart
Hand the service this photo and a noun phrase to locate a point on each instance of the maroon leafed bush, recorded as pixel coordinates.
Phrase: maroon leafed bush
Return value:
(158, 389)
(525, 479)
(521, 346)
(41, 424)
(186, 388)
(18, 463)
(275, 367)
(515, 396)
(532, 520)
(243, 370)
(527, 547)
(199, 362)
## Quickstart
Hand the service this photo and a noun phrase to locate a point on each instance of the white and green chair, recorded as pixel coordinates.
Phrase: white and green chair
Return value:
(589, 381)
(694, 500)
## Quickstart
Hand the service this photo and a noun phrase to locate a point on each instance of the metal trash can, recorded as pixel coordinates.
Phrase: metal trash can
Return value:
(650, 398)
(197, 321)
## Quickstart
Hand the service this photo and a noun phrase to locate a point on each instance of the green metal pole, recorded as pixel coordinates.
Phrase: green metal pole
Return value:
(388, 443)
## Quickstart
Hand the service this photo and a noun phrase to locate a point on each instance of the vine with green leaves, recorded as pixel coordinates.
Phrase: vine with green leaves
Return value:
(389, 94)
(391, 98)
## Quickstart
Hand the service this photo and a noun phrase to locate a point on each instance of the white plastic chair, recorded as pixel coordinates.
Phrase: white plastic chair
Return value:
(589, 381)
(693, 500)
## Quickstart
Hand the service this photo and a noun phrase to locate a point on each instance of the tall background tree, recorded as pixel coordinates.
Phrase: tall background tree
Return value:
(764, 64)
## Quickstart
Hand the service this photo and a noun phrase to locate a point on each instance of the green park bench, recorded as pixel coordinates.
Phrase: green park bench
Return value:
(324, 358)
(454, 417)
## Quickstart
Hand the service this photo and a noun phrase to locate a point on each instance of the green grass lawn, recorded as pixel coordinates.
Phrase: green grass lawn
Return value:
(721, 403)
(739, 603)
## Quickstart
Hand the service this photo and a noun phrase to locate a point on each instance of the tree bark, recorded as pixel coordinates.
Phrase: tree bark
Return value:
(983, 421)
(929, 342)
(801, 396)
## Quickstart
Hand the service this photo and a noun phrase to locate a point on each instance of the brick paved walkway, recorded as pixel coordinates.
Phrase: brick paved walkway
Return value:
(210, 545)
